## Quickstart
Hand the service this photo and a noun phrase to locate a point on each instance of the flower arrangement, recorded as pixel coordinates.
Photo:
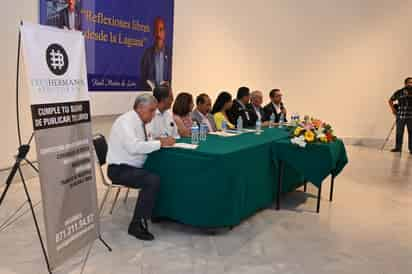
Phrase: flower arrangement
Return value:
(310, 130)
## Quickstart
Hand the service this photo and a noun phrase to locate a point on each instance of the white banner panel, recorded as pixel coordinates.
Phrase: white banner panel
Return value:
(56, 71)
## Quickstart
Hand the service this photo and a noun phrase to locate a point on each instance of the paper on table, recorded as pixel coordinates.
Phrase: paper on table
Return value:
(234, 131)
(248, 130)
(184, 146)
(223, 134)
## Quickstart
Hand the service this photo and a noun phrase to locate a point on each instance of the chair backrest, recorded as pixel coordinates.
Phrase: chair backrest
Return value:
(100, 146)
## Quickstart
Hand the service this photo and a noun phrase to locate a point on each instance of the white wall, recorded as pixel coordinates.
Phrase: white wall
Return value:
(337, 60)
(10, 16)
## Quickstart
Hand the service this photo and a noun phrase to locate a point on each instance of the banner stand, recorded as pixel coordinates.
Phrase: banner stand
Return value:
(21, 156)
(23, 150)
(9, 221)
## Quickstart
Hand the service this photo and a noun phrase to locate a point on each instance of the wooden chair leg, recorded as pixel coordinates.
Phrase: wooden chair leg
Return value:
(106, 194)
(127, 195)
(115, 200)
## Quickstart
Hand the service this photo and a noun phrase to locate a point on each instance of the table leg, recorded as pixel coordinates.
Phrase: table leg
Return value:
(319, 197)
(279, 185)
(332, 186)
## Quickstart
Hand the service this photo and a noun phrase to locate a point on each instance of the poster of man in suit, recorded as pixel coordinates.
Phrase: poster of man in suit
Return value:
(129, 43)
(156, 63)
(64, 14)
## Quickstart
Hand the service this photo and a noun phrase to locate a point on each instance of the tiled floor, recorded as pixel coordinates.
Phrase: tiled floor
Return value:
(366, 230)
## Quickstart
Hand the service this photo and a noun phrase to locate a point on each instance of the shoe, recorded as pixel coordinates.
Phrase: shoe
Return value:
(395, 150)
(140, 232)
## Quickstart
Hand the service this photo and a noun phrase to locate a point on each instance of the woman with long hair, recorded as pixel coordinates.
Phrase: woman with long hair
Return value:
(222, 104)
(182, 113)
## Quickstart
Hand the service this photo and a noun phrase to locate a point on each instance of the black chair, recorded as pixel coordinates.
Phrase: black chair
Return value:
(101, 147)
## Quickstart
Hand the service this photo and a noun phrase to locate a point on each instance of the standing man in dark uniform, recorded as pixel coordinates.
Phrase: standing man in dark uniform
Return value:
(403, 114)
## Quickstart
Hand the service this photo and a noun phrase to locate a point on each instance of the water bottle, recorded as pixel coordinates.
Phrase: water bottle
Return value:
(195, 135)
(295, 117)
(258, 126)
(224, 125)
(203, 131)
(239, 123)
(272, 120)
(281, 120)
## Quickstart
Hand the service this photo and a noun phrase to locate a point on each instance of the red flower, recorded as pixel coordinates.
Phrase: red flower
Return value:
(329, 137)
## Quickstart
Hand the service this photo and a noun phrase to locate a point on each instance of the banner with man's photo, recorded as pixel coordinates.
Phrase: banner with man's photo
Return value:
(56, 73)
(128, 43)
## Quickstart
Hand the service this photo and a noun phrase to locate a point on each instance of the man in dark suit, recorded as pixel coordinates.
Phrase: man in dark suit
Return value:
(255, 107)
(275, 106)
(156, 64)
(239, 108)
(202, 112)
(69, 17)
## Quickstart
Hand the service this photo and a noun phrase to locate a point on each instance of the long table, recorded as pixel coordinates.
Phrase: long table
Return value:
(223, 181)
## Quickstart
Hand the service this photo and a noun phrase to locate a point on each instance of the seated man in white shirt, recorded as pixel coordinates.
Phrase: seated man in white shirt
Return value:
(129, 143)
(163, 124)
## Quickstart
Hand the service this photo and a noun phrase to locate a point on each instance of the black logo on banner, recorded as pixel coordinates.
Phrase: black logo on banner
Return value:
(57, 59)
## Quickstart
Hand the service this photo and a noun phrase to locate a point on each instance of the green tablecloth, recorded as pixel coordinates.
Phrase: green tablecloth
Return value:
(315, 162)
(227, 179)
(223, 181)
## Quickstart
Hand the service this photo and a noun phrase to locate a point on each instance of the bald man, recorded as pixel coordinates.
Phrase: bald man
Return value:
(255, 107)
(156, 63)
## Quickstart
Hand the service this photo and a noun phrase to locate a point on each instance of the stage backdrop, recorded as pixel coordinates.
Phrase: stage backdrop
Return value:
(120, 35)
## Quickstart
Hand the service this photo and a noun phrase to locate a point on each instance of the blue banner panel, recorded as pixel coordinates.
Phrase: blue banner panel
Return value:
(129, 43)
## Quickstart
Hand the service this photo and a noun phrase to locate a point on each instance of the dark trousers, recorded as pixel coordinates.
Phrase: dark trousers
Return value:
(400, 129)
(149, 185)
